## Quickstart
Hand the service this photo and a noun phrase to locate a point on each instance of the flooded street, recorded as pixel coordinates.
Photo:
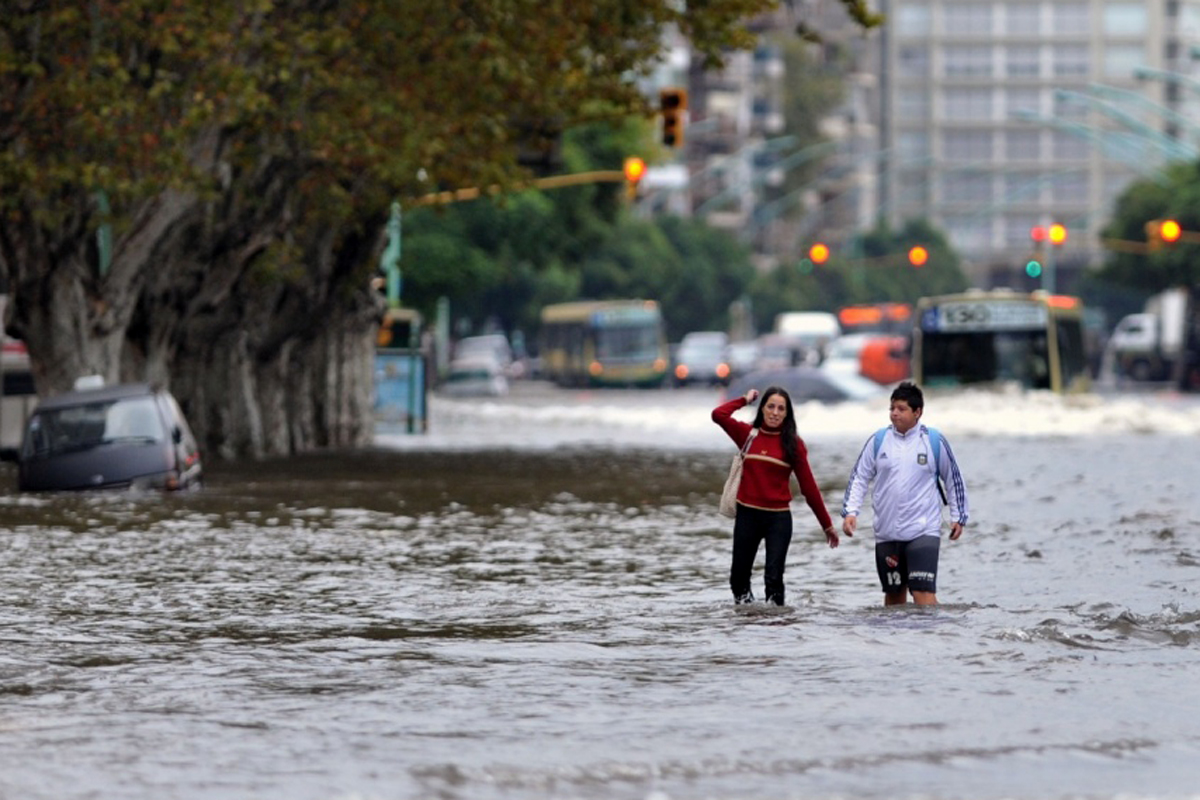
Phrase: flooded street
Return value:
(531, 601)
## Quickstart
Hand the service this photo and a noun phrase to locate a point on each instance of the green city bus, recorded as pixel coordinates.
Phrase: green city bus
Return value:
(604, 343)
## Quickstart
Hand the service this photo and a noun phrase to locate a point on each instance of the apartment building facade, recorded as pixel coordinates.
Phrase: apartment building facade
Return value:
(996, 116)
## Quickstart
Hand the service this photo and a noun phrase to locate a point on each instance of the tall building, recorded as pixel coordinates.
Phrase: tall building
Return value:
(997, 116)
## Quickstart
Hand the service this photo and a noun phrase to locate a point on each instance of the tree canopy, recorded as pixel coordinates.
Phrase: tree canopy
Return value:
(207, 184)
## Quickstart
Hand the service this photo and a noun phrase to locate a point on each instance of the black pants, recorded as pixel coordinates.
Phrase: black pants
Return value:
(751, 527)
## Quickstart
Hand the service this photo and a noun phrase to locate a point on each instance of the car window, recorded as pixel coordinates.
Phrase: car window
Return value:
(133, 418)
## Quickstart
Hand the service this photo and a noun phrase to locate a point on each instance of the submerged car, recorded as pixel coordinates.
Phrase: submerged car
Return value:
(475, 377)
(115, 437)
(700, 358)
(809, 383)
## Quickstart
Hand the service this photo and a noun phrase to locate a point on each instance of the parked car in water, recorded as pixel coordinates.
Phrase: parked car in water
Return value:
(491, 346)
(475, 377)
(742, 357)
(700, 358)
(126, 436)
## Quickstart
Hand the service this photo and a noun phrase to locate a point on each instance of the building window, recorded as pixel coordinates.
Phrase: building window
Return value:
(912, 194)
(1023, 145)
(912, 104)
(1070, 147)
(1023, 19)
(1022, 189)
(1070, 107)
(1022, 100)
(912, 61)
(1070, 60)
(912, 145)
(1069, 187)
(1023, 61)
(1122, 60)
(1018, 229)
(968, 18)
(967, 103)
(967, 61)
(967, 187)
(1189, 20)
(1070, 19)
(1125, 19)
(912, 19)
(969, 233)
(969, 145)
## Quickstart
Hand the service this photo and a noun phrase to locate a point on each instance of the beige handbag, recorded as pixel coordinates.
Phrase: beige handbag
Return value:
(728, 506)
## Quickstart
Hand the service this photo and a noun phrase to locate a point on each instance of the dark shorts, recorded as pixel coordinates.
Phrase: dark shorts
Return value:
(908, 566)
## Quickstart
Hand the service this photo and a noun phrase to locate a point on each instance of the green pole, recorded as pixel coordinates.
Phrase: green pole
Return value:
(389, 261)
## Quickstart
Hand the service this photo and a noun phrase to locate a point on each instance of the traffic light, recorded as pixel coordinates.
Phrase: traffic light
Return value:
(917, 256)
(634, 169)
(818, 253)
(673, 104)
(1033, 268)
(1169, 231)
(1038, 234)
(1057, 234)
(1163, 231)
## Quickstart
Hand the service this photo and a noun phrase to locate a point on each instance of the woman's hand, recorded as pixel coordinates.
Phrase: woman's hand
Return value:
(751, 396)
(831, 536)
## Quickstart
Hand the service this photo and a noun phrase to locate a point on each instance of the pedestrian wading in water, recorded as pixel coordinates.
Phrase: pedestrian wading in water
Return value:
(914, 473)
(764, 497)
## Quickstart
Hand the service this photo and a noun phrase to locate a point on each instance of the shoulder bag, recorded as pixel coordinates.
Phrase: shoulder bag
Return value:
(728, 506)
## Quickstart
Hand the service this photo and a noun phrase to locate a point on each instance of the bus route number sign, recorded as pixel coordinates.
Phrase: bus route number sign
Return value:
(983, 315)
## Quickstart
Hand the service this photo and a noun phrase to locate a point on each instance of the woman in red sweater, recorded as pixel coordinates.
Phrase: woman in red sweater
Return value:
(765, 495)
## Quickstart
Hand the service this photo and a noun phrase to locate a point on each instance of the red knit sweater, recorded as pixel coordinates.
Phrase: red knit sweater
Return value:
(765, 474)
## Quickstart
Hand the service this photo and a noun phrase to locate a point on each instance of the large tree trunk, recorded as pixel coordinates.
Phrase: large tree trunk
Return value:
(72, 318)
(314, 389)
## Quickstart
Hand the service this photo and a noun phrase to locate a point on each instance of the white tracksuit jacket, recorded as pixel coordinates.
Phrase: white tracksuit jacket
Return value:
(906, 499)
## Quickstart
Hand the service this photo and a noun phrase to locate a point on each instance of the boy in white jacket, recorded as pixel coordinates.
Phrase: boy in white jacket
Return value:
(908, 463)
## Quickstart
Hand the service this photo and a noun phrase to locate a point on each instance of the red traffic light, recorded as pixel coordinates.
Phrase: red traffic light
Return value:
(819, 253)
(917, 256)
(1038, 233)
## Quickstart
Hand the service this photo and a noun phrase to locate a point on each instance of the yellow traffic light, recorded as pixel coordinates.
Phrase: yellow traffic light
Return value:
(1169, 231)
(1163, 231)
(634, 169)
(818, 253)
(1057, 234)
(917, 256)
(673, 103)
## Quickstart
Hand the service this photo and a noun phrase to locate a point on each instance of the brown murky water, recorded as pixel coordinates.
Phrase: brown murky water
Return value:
(543, 612)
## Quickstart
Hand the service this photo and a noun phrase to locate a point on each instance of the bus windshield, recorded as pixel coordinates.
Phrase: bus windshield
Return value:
(964, 358)
(1034, 340)
(627, 341)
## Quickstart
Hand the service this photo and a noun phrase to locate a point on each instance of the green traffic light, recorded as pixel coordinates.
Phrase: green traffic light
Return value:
(1033, 269)
(806, 266)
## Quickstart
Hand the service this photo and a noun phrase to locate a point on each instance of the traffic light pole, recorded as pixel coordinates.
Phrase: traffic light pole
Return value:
(1049, 276)
(552, 182)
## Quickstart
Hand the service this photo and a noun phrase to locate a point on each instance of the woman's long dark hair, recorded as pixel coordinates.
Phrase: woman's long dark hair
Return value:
(787, 431)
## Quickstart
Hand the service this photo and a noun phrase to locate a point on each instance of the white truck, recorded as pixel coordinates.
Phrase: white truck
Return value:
(810, 331)
(1162, 342)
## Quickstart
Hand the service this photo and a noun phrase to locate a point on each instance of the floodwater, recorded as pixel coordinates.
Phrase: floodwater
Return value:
(530, 601)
